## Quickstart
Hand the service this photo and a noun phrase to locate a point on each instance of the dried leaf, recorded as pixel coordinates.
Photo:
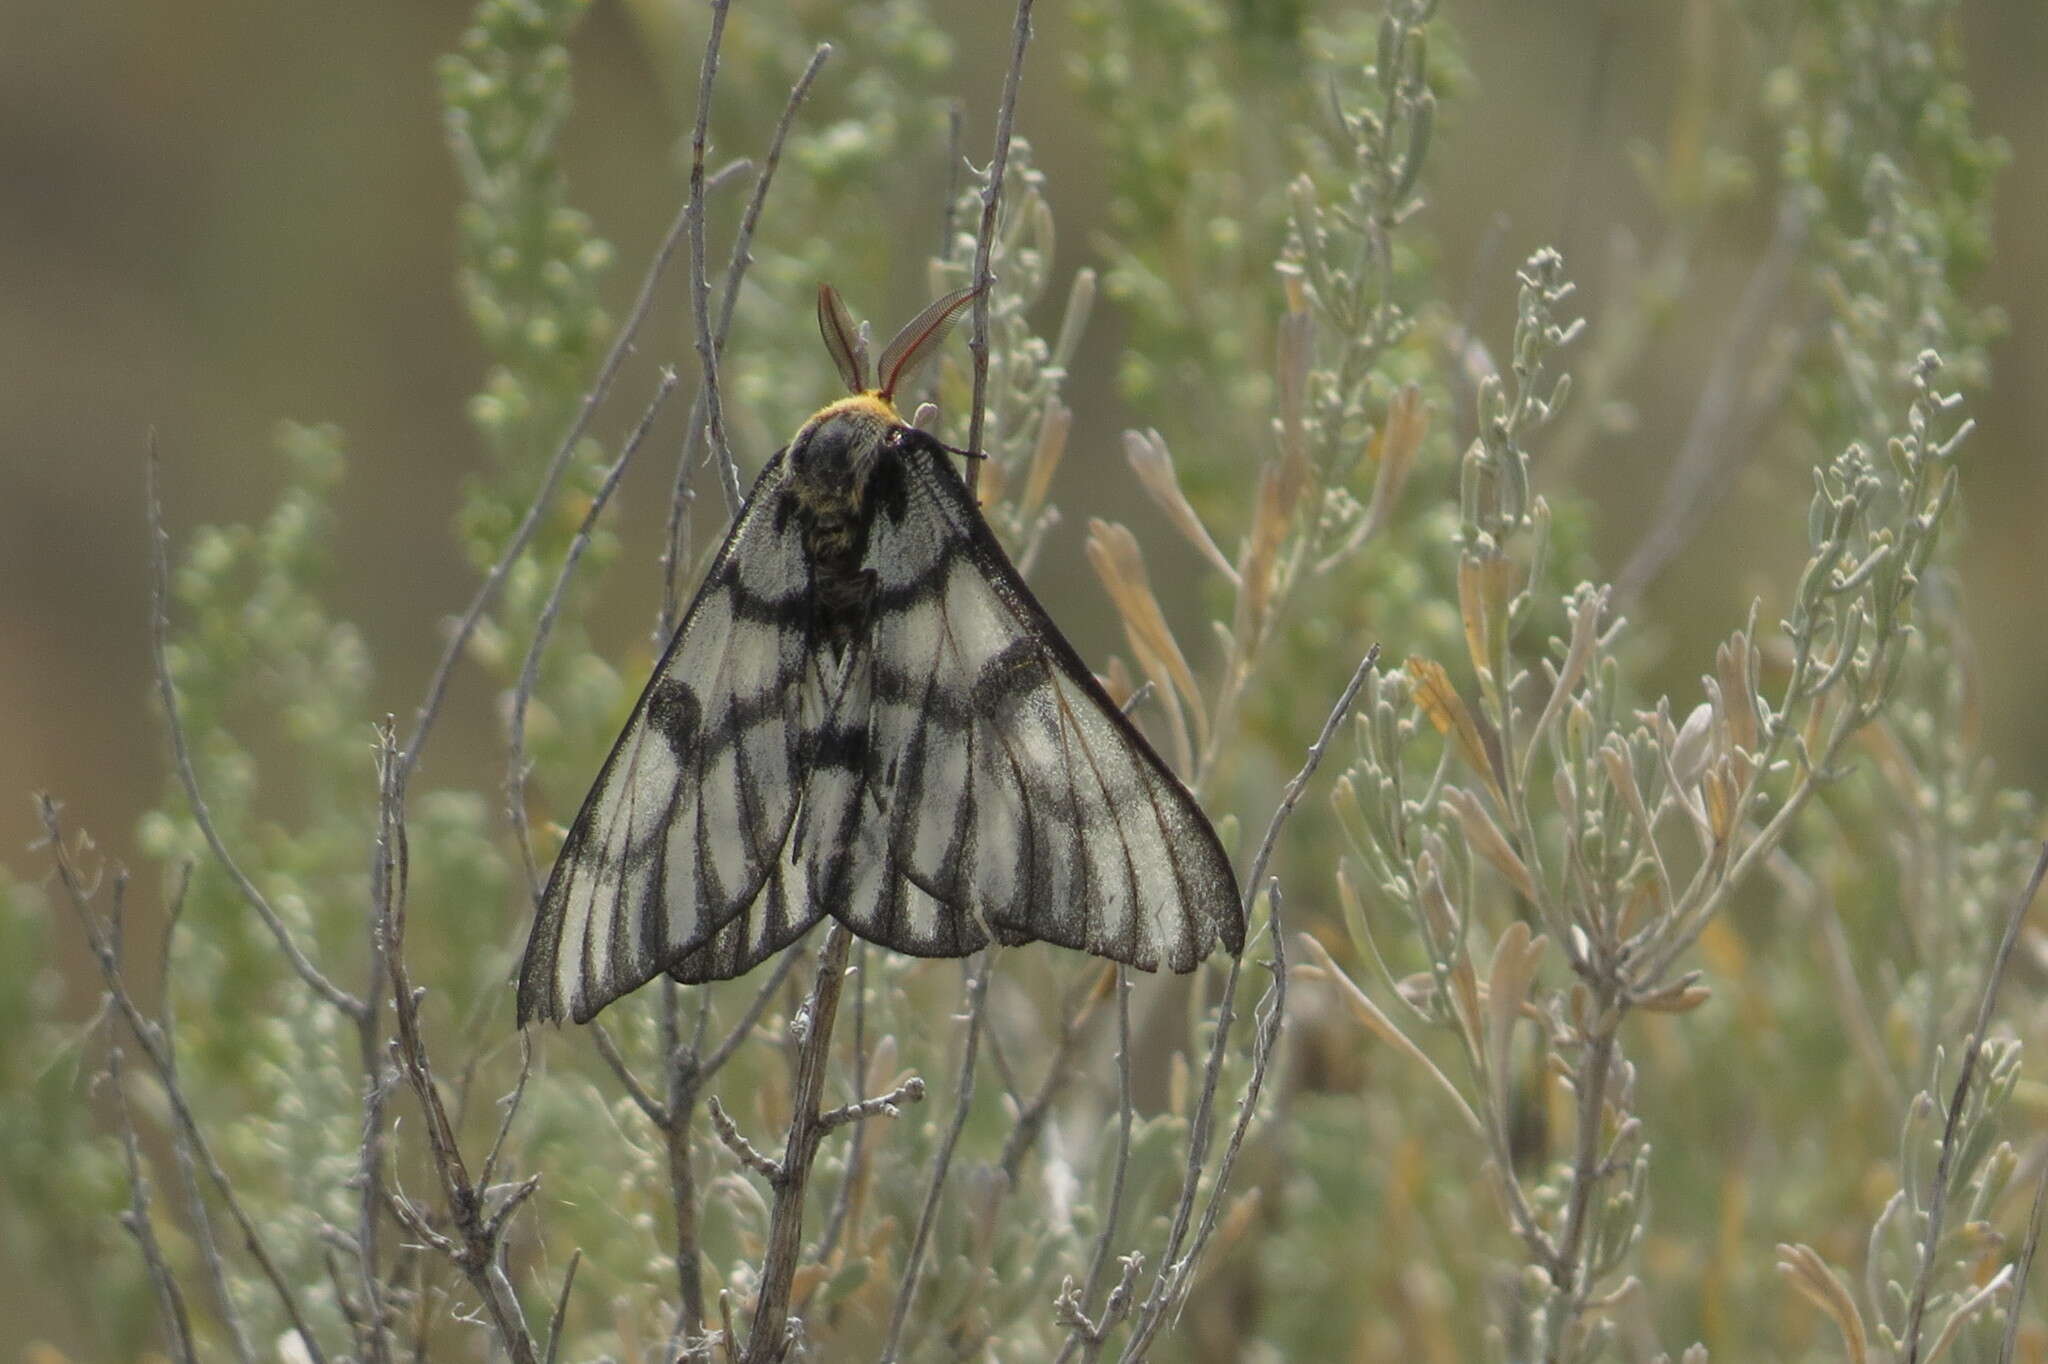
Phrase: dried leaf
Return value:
(1053, 425)
(1113, 551)
(1483, 584)
(1803, 1267)
(1731, 669)
(1147, 454)
(1447, 711)
(1515, 958)
(1488, 841)
(1379, 1025)
(1272, 518)
(1680, 997)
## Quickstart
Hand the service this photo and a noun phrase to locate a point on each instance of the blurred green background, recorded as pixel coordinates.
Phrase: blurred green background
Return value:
(216, 216)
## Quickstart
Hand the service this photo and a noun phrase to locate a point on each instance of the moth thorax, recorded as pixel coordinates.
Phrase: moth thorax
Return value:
(832, 457)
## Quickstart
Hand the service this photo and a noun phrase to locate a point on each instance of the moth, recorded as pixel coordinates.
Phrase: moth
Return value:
(866, 714)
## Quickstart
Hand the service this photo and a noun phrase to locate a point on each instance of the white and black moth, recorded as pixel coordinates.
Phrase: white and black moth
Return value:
(866, 714)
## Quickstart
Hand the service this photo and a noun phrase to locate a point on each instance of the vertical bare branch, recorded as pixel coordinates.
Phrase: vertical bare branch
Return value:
(1086, 1337)
(378, 1080)
(985, 241)
(842, 1201)
(477, 1215)
(913, 1264)
(770, 1335)
(194, 1197)
(674, 541)
(700, 287)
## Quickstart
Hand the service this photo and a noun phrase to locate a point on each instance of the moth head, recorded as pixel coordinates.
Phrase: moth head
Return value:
(838, 446)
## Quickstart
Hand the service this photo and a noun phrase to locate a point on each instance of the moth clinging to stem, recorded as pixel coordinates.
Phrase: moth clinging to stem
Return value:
(866, 714)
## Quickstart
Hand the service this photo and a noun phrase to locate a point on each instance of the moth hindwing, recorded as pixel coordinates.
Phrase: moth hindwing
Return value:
(865, 713)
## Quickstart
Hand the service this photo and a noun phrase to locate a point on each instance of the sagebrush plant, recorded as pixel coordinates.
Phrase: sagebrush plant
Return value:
(1564, 1001)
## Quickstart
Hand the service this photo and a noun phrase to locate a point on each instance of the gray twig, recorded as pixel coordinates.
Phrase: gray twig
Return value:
(196, 1213)
(913, 1264)
(181, 751)
(882, 1106)
(1171, 1281)
(1291, 797)
(646, 1102)
(2025, 1267)
(985, 240)
(1937, 1202)
(141, 1224)
(511, 1103)
(700, 287)
(749, 1016)
(1087, 1336)
(673, 541)
(561, 1308)
(551, 477)
(529, 671)
(742, 257)
(743, 1150)
(842, 1200)
(769, 1339)
(1271, 1013)
(477, 1219)
(104, 945)
(1033, 1113)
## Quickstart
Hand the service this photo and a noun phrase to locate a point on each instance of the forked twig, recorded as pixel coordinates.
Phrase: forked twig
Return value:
(141, 1223)
(769, 1337)
(477, 1218)
(104, 945)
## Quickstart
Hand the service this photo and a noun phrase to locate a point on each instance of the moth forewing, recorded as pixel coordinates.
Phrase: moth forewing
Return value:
(865, 713)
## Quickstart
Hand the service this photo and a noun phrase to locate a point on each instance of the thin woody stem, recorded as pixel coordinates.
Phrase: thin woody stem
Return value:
(985, 241)
(769, 1339)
